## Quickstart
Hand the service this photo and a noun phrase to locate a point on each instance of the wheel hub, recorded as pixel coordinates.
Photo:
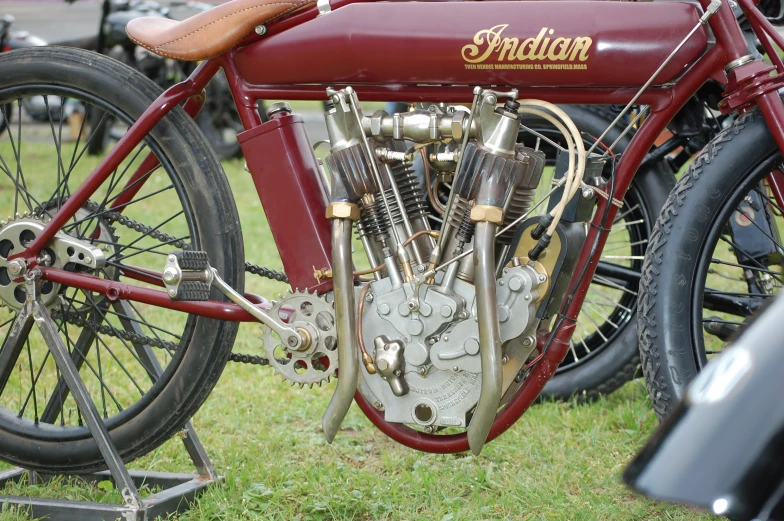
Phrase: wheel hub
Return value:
(16, 234)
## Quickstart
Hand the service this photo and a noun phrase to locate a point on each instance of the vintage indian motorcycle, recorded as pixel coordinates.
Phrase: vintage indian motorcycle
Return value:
(137, 263)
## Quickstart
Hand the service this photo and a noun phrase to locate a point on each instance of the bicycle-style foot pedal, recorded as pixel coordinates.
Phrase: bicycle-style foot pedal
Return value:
(188, 276)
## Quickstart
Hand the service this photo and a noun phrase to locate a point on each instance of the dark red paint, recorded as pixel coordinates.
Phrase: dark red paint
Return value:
(425, 43)
(284, 169)
(427, 38)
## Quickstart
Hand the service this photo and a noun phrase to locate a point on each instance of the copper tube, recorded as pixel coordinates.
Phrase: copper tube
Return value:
(432, 233)
(434, 202)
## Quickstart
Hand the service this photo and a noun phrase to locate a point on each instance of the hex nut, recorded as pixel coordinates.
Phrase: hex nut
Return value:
(341, 210)
(486, 213)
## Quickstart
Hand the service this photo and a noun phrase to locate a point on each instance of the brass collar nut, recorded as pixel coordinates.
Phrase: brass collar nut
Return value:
(486, 213)
(341, 210)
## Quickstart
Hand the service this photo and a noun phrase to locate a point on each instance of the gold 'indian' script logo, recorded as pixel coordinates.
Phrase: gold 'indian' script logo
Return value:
(489, 43)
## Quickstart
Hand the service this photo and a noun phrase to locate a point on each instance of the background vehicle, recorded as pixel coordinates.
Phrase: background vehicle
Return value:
(218, 119)
(721, 446)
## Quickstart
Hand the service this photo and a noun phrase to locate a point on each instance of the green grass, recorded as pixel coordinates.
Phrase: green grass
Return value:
(560, 461)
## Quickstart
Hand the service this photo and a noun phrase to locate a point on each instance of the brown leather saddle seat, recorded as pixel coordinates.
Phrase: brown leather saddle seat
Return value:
(211, 33)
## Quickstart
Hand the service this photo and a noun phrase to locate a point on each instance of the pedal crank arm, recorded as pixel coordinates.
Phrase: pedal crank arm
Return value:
(293, 337)
(188, 276)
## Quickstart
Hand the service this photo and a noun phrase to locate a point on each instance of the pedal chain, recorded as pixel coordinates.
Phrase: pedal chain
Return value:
(116, 217)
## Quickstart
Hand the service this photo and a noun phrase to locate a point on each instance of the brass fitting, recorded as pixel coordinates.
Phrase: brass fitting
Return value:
(325, 273)
(306, 340)
(342, 210)
(486, 213)
(369, 365)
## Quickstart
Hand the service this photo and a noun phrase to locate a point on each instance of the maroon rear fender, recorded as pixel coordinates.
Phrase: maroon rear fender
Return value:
(521, 43)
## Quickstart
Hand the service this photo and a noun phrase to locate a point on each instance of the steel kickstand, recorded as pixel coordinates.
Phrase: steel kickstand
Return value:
(180, 488)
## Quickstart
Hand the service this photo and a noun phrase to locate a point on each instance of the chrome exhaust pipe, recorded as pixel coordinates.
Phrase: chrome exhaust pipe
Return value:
(345, 322)
(489, 336)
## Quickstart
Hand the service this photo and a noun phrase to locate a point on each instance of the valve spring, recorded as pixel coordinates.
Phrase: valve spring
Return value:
(461, 219)
(522, 199)
(373, 220)
(410, 191)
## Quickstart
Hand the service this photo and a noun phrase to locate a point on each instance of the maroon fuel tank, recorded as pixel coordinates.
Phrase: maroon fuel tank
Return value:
(509, 43)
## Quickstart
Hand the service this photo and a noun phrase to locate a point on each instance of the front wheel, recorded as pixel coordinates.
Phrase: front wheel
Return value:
(603, 353)
(714, 258)
(184, 203)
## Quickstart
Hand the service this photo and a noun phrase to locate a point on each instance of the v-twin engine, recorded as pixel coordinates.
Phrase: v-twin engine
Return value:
(448, 321)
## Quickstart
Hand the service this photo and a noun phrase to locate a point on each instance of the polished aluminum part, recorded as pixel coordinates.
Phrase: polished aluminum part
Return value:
(173, 276)
(517, 293)
(63, 249)
(419, 126)
(280, 106)
(317, 361)
(439, 381)
(489, 337)
(390, 363)
(345, 322)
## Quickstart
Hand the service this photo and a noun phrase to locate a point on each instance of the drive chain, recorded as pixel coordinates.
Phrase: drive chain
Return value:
(114, 217)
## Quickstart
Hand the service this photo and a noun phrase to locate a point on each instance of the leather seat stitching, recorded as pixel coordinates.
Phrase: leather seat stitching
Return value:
(225, 17)
(162, 52)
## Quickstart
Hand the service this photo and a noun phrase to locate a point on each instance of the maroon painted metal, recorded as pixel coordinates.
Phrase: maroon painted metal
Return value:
(776, 183)
(286, 61)
(135, 183)
(542, 43)
(457, 94)
(280, 159)
(117, 290)
(135, 134)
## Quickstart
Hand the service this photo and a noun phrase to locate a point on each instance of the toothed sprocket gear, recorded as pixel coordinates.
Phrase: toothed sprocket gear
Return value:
(319, 361)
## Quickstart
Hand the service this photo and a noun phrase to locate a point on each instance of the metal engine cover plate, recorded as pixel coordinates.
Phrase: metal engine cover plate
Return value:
(443, 397)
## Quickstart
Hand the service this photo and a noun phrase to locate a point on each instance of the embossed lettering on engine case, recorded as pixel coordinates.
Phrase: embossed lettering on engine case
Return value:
(452, 390)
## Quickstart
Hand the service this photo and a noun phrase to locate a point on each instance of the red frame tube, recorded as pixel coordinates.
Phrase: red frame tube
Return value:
(664, 102)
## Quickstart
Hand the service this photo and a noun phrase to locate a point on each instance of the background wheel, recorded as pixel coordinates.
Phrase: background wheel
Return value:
(714, 258)
(219, 119)
(185, 203)
(5, 116)
(603, 354)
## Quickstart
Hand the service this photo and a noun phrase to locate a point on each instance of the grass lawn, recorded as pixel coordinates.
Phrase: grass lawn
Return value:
(561, 461)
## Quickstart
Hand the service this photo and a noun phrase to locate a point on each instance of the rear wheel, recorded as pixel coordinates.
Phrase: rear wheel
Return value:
(184, 203)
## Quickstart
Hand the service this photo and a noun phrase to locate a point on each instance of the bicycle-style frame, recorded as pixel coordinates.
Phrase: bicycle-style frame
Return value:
(748, 84)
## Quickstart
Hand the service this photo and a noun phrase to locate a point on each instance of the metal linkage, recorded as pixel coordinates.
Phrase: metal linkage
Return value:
(179, 489)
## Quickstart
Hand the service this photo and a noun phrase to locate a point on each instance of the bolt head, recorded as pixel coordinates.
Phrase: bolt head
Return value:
(455, 368)
(88, 260)
(170, 275)
(397, 372)
(292, 341)
(369, 297)
(422, 370)
(172, 293)
(378, 405)
(463, 315)
(261, 30)
(446, 339)
(504, 360)
(432, 340)
(542, 278)
(172, 258)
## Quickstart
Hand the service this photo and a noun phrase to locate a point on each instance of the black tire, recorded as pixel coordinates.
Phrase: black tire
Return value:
(6, 117)
(200, 186)
(671, 338)
(615, 360)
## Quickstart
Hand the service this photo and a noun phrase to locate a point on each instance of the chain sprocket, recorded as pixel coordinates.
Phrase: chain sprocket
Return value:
(319, 361)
